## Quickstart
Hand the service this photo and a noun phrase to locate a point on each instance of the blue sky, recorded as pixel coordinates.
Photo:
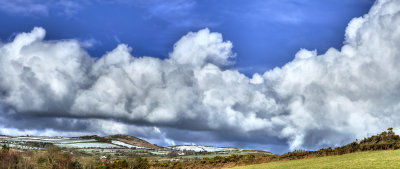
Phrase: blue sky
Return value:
(265, 33)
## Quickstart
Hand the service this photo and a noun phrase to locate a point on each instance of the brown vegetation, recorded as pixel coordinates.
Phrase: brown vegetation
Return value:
(133, 141)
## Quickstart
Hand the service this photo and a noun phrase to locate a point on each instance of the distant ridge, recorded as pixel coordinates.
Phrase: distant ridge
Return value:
(130, 140)
(133, 141)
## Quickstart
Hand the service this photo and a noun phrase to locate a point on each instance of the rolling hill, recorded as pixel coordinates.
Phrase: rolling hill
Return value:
(373, 159)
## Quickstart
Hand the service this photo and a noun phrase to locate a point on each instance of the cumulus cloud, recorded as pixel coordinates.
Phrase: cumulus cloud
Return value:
(312, 101)
(347, 92)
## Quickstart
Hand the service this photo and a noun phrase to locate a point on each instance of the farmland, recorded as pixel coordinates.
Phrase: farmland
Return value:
(119, 147)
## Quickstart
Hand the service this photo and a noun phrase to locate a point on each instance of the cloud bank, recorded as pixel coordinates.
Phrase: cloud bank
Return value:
(196, 95)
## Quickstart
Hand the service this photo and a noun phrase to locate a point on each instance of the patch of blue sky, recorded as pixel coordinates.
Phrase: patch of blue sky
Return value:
(265, 33)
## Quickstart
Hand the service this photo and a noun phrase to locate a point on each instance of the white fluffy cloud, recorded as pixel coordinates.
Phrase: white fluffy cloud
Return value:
(202, 47)
(347, 92)
(312, 101)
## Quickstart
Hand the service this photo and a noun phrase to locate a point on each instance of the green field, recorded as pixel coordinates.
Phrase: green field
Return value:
(375, 159)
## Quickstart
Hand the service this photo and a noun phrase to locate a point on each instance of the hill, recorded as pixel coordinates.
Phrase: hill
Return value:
(341, 157)
(133, 141)
(123, 151)
(386, 140)
(115, 151)
(373, 159)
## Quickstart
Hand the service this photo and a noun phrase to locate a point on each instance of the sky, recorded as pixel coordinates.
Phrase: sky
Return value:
(151, 27)
(271, 75)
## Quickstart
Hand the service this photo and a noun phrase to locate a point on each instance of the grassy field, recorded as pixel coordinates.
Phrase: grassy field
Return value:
(375, 159)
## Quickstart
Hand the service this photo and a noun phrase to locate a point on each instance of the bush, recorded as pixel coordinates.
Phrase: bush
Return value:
(172, 154)
(77, 165)
(141, 163)
(41, 160)
(5, 147)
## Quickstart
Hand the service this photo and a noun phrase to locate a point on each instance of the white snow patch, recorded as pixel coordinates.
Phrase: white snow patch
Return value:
(88, 145)
(197, 148)
(120, 143)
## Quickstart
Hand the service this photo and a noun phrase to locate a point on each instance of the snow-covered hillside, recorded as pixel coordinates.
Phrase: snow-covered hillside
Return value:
(120, 143)
(198, 148)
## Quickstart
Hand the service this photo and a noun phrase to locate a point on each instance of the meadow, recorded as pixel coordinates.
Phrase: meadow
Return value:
(372, 159)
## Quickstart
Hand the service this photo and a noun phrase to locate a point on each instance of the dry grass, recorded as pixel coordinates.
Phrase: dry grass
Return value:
(375, 159)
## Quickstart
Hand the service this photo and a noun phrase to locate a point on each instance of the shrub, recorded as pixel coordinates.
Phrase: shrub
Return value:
(41, 160)
(172, 154)
(120, 164)
(141, 163)
(5, 147)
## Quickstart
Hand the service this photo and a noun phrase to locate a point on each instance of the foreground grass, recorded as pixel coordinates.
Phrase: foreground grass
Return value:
(375, 159)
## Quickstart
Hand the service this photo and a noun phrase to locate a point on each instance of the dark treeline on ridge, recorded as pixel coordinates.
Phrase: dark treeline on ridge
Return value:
(386, 140)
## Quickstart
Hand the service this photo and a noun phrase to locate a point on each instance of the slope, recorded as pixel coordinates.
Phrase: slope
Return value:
(373, 159)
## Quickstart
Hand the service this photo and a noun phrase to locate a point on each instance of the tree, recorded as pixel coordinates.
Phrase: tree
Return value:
(172, 154)
(5, 147)
(390, 131)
